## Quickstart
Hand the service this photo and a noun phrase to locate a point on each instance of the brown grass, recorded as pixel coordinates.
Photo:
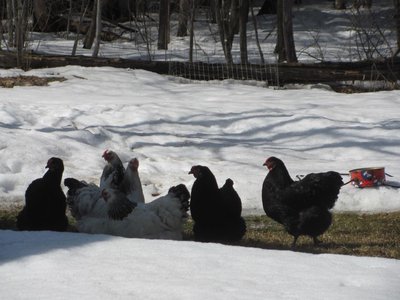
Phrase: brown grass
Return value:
(10, 82)
(350, 234)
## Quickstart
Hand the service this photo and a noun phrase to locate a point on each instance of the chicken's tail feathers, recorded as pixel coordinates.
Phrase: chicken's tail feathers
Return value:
(336, 183)
(73, 185)
(325, 188)
(181, 192)
(336, 178)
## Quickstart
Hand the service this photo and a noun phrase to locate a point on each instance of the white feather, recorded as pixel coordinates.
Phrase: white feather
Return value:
(87, 202)
(131, 185)
(159, 219)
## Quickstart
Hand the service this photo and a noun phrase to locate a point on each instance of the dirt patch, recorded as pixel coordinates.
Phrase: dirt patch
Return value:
(10, 82)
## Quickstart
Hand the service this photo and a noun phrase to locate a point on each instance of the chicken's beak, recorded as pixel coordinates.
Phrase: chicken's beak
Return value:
(269, 166)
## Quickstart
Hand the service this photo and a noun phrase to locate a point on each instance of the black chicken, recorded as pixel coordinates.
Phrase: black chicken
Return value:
(45, 204)
(216, 212)
(302, 207)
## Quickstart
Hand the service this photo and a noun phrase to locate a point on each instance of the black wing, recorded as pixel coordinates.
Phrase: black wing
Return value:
(315, 189)
(120, 207)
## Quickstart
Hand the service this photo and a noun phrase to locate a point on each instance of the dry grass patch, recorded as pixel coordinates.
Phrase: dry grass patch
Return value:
(350, 234)
(10, 82)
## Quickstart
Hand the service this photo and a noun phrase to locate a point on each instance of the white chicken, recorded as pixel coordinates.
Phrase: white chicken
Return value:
(162, 218)
(87, 196)
(120, 209)
(131, 185)
(113, 172)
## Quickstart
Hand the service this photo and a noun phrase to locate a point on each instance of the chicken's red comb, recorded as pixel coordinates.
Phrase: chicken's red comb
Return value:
(134, 163)
(105, 153)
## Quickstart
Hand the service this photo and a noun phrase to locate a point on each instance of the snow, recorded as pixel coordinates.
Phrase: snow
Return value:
(170, 124)
(48, 265)
(320, 34)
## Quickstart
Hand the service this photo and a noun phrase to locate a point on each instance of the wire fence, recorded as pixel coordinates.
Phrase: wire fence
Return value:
(219, 71)
(387, 71)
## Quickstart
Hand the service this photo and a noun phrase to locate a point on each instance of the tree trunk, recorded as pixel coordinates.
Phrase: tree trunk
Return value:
(11, 22)
(227, 20)
(285, 47)
(288, 39)
(21, 27)
(256, 33)
(243, 18)
(19, 34)
(97, 38)
(89, 38)
(280, 45)
(69, 18)
(184, 12)
(191, 41)
(163, 29)
(234, 16)
(397, 19)
(46, 16)
(84, 8)
(364, 3)
(388, 70)
(221, 29)
(41, 15)
(213, 11)
(269, 7)
(340, 4)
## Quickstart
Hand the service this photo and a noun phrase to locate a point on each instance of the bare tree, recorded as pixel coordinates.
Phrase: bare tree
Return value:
(191, 41)
(227, 15)
(41, 16)
(397, 19)
(184, 8)
(46, 15)
(19, 29)
(364, 3)
(142, 28)
(288, 31)
(212, 11)
(11, 24)
(84, 8)
(268, 7)
(163, 29)
(285, 47)
(280, 47)
(19, 12)
(97, 38)
(340, 4)
(243, 18)
(90, 34)
(256, 33)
